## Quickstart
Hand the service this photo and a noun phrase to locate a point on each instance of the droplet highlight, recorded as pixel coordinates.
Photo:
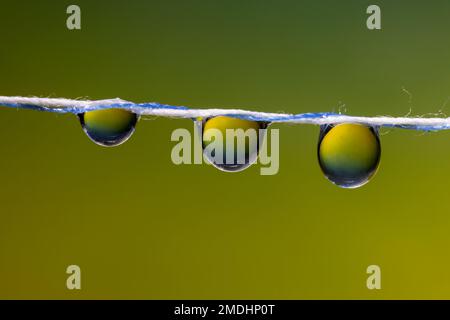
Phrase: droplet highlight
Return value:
(245, 137)
(108, 127)
(349, 153)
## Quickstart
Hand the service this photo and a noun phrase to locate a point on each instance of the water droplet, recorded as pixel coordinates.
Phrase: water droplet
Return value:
(108, 127)
(349, 154)
(244, 151)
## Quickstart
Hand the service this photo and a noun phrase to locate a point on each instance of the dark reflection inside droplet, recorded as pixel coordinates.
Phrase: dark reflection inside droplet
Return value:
(108, 127)
(246, 141)
(349, 154)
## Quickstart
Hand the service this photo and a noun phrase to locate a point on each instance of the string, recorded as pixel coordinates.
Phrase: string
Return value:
(61, 105)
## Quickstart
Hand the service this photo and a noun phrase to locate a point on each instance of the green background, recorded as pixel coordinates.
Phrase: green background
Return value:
(141, 227)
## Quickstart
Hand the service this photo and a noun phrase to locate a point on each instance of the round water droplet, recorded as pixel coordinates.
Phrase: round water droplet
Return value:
(243, 138)
(349, 154)
(108, 127)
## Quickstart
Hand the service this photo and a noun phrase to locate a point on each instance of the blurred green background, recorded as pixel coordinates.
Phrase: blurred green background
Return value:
(141, 227)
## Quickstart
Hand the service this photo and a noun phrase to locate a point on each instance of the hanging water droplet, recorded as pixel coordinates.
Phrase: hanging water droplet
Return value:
(349, 154)
(108, 127)
(232, 144)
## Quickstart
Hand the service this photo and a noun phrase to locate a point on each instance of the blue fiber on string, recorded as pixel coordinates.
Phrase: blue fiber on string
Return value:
(155, 105)
(77, 110)
(283, 117)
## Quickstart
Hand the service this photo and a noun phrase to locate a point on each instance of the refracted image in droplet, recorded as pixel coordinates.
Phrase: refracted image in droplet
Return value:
(241, 157)
(108, 127)
(349, 154)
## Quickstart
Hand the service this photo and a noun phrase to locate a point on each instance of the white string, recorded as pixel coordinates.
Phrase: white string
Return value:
(61, 105)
